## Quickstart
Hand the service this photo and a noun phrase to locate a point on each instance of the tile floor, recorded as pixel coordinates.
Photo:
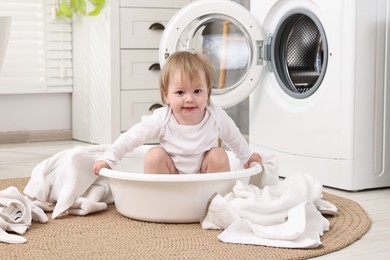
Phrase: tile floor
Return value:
(17, 160)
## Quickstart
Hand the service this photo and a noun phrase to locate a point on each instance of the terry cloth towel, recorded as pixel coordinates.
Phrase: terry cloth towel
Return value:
(65, 182)
(303, 229)
(270, 174)
(286, 205)
(16, 214)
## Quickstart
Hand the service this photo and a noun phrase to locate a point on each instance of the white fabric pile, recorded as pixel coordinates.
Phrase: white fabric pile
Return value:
(16, 215)
(282, 215)
(65, 182)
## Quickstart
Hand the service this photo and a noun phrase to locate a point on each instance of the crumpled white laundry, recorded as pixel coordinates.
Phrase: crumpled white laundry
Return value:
(303, 229)
(16, 215)
(65, 182)
(270, 174)
(269, 206)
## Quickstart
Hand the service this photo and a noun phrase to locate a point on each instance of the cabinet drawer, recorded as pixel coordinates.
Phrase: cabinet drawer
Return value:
(155, 3)
(143, 27)
(140, 69)
(135, 104)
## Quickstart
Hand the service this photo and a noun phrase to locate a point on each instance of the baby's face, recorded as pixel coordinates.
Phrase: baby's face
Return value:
(188, 99)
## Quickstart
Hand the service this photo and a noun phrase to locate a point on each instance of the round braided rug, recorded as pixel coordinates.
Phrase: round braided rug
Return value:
(109, 235)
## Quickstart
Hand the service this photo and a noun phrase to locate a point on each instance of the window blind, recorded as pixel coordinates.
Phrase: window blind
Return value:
(39, 54)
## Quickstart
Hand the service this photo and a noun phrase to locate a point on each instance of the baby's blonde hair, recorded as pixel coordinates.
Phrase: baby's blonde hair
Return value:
(189, 65)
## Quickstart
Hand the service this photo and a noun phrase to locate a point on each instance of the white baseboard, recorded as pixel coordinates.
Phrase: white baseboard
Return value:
(35, 136)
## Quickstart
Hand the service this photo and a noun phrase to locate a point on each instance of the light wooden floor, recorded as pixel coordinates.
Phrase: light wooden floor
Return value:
(17, 160)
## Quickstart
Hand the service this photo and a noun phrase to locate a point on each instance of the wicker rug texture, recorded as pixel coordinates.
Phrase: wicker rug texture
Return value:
(109, 235)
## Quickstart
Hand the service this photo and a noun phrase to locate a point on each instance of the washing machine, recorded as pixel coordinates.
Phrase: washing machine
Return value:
(316, 74)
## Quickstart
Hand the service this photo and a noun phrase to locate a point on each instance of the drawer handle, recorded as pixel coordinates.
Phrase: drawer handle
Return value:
(157, 26)
(154, 67)
(155, 106)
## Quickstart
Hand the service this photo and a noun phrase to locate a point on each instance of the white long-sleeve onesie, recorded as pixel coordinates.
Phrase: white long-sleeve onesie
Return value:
(186, 144)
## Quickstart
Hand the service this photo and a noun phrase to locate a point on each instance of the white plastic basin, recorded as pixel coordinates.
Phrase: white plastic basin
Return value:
(169, 198)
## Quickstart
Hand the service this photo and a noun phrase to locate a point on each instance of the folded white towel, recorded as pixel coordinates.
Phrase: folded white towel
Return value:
(303, 229)
(16, 215)
(66, 181)
(270, 207)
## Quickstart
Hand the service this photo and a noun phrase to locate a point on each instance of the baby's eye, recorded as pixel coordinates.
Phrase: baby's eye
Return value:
(180, 93)
(197, 91)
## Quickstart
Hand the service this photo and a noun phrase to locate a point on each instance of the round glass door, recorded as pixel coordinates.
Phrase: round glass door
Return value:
(231, 43)
(227, 45)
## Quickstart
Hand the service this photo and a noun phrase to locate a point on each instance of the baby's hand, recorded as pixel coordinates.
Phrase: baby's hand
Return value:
(255, 157)
(98, 165)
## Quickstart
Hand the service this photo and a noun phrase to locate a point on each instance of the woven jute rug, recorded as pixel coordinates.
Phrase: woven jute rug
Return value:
(109, 235)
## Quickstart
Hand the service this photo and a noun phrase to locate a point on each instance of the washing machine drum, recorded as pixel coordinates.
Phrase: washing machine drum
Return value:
(299, 55)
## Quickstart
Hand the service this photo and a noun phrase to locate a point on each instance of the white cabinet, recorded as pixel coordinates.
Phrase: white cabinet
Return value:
(142, 24)
(143, 27)
(116, 67)
(139, 69)
(135, 104)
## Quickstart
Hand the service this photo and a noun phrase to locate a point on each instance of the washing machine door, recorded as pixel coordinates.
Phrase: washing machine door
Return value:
(229, 35)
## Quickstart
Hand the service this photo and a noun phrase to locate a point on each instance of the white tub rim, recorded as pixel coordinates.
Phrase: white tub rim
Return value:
(194, 177)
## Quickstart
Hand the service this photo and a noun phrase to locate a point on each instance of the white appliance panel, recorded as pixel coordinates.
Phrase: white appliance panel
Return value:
(340, 133)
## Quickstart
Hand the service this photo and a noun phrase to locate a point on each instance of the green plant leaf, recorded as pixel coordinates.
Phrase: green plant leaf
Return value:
(79, 6)
(69, 7)
(64, 10)
(96, 11)
(98, 2)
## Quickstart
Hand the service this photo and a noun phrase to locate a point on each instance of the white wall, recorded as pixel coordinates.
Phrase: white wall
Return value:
(35, 100)
(35, 112)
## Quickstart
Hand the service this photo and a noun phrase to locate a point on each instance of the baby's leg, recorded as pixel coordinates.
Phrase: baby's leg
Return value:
(215, 160)
(157, 160)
